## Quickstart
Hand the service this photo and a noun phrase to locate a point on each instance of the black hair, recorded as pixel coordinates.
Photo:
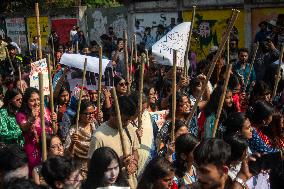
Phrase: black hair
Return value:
(12, 157)
(179, 96)
(260, 111)
(276, 176)
(117, 79)
(212, 151)
(238, 145)
(57, 168)
(243, 50)
(9, 95)
(128, 105)
(157, 168)
(101, 159)
(233, 82)
(11, 47)
(49, 138)
(28, 93)
(118, 40)
(184, 144)
(260, 89)
(84, 105)
(234, 123)
(63, 89)
(22, 183)
(202, 67)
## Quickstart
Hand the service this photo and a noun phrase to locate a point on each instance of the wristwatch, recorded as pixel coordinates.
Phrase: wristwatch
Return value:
(241, 182)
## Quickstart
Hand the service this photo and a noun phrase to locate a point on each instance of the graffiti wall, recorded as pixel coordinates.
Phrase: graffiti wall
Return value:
(44, 29)
(63, 27)
(99, 20)
(16, 30)
(209, 27)
(265, 14)
(152, 20)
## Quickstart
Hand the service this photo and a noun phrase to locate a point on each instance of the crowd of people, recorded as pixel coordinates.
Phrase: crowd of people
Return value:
(246, 151)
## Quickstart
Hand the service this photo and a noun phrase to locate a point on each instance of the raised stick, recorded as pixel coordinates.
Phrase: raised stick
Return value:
(174, 90)
(100, 80)
(52, 46)
(185, 68)
(251, 64)
(77, 47)
(38, 31)
(131, 60)
(125, 50)
(42, 120)
(51, 100)
(10, 61)
(20, 79)
(218, 54)
(140, 101)
(224, 90)
(80, 96)
(278, 72)
(147, 58)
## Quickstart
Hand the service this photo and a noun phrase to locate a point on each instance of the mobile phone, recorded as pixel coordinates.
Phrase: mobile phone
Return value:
(265, 162)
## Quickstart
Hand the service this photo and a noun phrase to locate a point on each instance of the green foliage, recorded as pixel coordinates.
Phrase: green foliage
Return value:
(102, 3)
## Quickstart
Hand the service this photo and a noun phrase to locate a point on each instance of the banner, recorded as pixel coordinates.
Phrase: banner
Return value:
(77, 61)
(36, 68)
(2, 27)
(176, 39)
(62, 28)
(16, 30)
(159, 117)
(44, 29)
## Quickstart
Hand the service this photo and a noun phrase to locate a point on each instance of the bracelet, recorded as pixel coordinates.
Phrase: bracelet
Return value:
(241, 182)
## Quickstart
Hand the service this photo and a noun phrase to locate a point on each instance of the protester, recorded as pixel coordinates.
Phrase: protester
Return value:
(3, 44)
(61, 172)
(105, 169)
(120, 85)
(10, 131)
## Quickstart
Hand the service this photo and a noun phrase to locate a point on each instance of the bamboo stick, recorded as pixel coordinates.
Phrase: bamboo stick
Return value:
(100, 79)
(224, 90)
(131, 60)
(251, 64)
(186, 62)
(278, 72)
(20, 79)
(135, 49)
(38, 31)
(52, 48)
(81, 94)
(126, 59)
(42, 120)
(233, 19)
(174, 95)
(141, 80)
(51, 99)
(77, 47)
(147, 58)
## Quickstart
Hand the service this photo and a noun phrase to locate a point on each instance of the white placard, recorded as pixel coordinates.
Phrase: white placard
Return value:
(36, 68)
(77, 61)
(176, 39)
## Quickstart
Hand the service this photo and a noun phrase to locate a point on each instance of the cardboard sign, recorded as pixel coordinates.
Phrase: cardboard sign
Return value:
(176, 39)
(36, 68)
(159, 117)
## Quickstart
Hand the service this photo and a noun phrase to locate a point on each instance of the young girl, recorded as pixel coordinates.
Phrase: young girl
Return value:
(104, 170)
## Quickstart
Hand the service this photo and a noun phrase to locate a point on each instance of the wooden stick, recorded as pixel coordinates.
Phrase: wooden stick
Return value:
(131, 61)
(141, 80)
(38, 31)
(135, 49)
(42, 120)
(224, 90)
(10, 61)
(52, 46)
(51, 98)
(81, 94)
(36, 54)
(251, 64)
(20, 79)
(77, 47)
(126, 59)
(100, 79)
(186, 62)
(147, 58)
(218, 54)
(174, 90)
(278, 72)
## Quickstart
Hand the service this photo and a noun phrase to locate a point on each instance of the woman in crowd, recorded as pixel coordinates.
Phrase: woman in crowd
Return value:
(28, 118)
(211, 110)
(54, 148)
(158, 174)
(120, 85)
(10, 132)
(78, 141)
(261, 117)
(184, 170)
(151, 93)
(62, 102)
(275, 131)
(104, 170)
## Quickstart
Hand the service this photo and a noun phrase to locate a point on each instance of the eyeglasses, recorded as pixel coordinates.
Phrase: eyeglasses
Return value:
(89, 113)
(60, 145)
(123, 84)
